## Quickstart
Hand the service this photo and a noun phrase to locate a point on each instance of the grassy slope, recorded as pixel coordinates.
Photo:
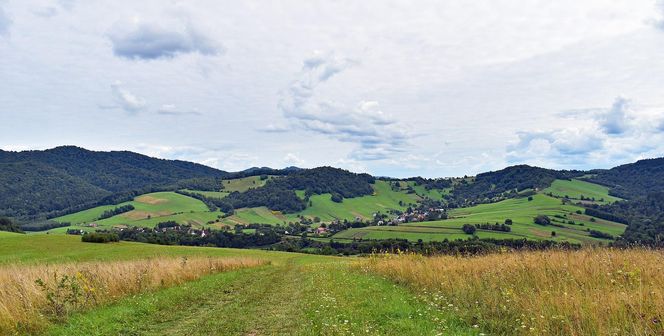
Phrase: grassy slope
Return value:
(244, 184)
(521, 211)
(239, 184)
(150, 209)
(577, 188)
(323, 295)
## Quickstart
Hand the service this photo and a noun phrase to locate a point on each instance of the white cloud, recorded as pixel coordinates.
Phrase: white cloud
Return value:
(293, 160)
(149, 41)
(364, 124)
(275, 128)
(600, 136)
(126, 100)
(614, 121)
(173, 110)
(5, 22)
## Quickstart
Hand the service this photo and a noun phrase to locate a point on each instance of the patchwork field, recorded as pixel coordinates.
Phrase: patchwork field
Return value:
(520, 211)
(569, 225)
(149, 209)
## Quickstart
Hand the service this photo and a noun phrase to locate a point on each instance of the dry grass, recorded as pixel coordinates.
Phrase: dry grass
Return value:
(587, 292)
(25, 307)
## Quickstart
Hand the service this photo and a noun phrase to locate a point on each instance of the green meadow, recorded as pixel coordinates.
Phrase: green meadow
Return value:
(575, 189)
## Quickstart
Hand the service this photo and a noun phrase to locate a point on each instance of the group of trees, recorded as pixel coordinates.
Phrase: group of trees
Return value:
(7, 224)
(182, 235)
(100, 237)
(43, 225)
(116, 211)
(471, 228)
(469, 246)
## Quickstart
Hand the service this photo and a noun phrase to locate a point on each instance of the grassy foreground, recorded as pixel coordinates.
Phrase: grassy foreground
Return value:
(295, 294)
(587, 292)
(33, 294)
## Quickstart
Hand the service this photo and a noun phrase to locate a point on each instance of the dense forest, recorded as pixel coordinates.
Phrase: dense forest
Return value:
(633, 180)
(645, 218)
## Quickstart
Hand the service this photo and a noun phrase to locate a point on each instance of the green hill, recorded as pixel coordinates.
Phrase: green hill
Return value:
(521, 211)
(149, 210)
(40, 183)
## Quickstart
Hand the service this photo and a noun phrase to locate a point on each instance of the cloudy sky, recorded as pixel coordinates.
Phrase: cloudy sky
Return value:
(399, 88)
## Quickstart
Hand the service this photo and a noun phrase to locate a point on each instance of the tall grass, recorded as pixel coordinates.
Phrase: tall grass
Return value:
(31, 297)
(588, 292)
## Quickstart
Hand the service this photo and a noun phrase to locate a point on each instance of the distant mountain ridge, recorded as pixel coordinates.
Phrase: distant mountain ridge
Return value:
(38, 183)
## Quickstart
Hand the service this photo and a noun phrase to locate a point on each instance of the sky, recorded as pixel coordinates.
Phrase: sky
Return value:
(392, 88)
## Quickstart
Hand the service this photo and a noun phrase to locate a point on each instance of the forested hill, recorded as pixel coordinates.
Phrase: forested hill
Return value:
(633, 180)
(279, 194)
(494, 185)
(39, 182)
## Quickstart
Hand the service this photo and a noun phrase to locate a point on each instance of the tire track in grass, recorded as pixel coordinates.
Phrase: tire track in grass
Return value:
(299, 297)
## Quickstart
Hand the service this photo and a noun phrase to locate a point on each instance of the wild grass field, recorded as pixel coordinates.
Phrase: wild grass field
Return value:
(595, 291)
(587, 292)
(521, 211)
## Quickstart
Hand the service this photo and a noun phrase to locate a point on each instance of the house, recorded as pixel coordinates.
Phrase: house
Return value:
(321, 230)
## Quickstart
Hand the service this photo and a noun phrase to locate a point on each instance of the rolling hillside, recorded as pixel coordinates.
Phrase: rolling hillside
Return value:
(36, 183)
(520, 210)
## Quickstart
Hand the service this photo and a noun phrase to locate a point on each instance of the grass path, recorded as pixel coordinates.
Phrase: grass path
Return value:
(300, 296)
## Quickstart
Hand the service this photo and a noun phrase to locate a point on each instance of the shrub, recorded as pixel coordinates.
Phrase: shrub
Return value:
(508, 222)
(600, 234)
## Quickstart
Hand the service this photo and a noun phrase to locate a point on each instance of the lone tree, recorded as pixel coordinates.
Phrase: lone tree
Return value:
(542, 220)
(469, 228)
(508, 222)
